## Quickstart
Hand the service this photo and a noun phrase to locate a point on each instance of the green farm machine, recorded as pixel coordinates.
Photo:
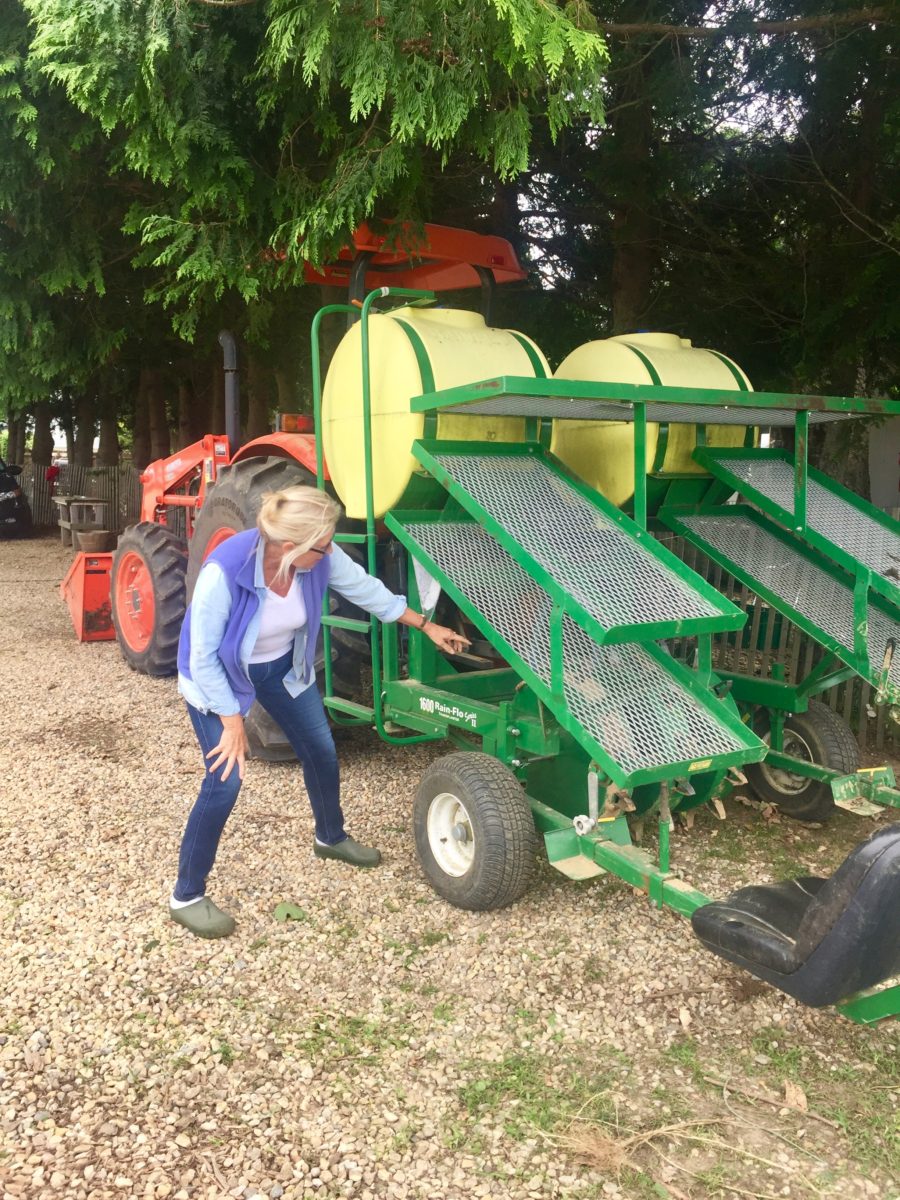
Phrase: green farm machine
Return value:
(528, 507)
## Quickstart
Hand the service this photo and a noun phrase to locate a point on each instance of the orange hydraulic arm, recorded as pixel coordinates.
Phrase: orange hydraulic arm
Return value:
(182, 479)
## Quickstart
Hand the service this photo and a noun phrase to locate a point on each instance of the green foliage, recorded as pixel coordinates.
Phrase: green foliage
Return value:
(285, 125)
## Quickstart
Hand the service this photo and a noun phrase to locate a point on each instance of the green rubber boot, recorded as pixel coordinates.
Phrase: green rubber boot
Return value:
(203, 919)
(349, 851)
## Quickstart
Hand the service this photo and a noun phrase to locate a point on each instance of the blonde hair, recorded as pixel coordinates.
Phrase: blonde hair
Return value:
(304, 515)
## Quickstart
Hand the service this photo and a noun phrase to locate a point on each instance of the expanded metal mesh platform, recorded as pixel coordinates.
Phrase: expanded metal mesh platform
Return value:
(593, 556)
(626, 700)
(769, 480)
(767, 563)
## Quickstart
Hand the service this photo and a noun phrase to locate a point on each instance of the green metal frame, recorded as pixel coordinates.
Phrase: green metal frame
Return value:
(632, 393)
(510, 712)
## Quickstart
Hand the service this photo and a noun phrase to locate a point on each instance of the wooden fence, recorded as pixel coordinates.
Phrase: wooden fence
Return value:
(120, 486)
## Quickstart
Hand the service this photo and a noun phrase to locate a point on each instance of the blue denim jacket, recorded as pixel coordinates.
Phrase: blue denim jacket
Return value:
(208, 688)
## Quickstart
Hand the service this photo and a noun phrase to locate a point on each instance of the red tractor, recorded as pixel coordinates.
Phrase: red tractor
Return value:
(218, 484)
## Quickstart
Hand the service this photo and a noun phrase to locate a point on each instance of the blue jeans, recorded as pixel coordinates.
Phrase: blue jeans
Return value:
(306, 727)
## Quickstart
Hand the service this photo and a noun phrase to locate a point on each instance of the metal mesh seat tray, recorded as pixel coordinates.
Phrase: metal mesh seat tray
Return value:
(839, 524)
(640, 714)
(812, 592)
(607, 573)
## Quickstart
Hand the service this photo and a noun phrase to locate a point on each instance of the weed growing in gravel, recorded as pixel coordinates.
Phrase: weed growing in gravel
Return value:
(225, 1053)
(859, 1095)
(519, 1089)
(331, 1038)
(683, 1051)
(459, 1135)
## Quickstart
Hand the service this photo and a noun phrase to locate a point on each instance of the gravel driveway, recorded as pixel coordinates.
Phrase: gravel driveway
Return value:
(381, 1044)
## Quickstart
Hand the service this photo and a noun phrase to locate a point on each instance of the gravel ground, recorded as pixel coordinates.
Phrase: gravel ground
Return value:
(383, 1044)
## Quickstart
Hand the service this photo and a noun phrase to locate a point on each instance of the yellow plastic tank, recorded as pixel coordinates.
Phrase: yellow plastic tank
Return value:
(411, 351)
(601, 452)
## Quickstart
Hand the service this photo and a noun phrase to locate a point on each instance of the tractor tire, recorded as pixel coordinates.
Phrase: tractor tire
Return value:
(147, 596)
(233, 502)
(474, 831)
(818, 736)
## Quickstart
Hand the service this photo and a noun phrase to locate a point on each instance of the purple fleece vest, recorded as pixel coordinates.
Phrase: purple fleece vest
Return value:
(237, 558)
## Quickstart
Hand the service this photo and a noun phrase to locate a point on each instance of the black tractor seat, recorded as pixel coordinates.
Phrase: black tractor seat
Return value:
(819, 940)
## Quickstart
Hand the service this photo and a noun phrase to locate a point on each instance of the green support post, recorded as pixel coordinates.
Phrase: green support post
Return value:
(801, 453)
(640, 465)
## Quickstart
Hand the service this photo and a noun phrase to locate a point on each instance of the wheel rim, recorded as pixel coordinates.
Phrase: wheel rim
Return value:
(450, 834)
(220, 536)
(135, 601)
(787, 782)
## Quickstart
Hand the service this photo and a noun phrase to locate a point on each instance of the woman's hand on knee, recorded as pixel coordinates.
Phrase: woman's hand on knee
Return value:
(232, 748)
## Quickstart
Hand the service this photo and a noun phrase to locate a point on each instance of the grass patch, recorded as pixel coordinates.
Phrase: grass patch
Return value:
(519, 1092)
(859, 1093)
(349, 1037)
(684, 1053)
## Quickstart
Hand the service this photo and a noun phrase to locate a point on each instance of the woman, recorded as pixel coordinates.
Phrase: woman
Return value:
(250, 634)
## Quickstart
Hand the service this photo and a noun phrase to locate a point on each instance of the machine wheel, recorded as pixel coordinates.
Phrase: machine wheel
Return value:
(148, 597)
(818, 736)
(233, 502)
(474, 831)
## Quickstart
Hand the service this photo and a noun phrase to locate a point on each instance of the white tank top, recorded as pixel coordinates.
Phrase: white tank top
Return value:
(280, 618)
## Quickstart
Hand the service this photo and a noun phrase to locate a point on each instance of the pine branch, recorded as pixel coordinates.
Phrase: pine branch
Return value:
(738, 28)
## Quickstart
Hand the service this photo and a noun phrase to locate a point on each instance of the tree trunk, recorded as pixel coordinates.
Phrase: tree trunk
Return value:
(634, 233)
(286, 390)
(22, 437)
(108, 450)
(160, 443)
(186, 410)
(69, 431)
(140, 446)
(42, 442)
(84, 427)
(258, 383)
(15, 424)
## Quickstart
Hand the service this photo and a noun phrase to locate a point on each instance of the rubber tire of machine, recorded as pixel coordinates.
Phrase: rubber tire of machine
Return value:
(830, 743)
(149, 564)
(497, 817)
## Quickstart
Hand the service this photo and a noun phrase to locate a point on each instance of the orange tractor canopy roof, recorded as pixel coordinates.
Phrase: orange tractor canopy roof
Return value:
(435, 258)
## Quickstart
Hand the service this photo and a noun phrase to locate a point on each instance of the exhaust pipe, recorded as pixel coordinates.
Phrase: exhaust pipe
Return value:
(232, 392)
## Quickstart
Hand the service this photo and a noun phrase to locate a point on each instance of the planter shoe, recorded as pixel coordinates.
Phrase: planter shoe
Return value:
(349, 851)
(203, 919)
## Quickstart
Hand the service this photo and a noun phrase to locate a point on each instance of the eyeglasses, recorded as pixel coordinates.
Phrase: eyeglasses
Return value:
(321, 549)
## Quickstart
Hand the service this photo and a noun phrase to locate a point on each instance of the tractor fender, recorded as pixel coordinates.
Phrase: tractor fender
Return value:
(301, 447)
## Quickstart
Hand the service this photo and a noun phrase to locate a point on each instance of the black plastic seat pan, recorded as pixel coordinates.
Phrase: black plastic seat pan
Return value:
(819, 940)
